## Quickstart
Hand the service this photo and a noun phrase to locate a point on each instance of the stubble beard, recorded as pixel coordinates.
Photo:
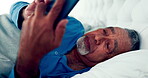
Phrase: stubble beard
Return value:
(81, 46)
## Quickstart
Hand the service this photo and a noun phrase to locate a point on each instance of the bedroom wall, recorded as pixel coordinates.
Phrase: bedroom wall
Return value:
(6, 4)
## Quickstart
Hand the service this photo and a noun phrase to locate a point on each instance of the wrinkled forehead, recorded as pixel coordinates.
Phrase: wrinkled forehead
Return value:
(123, 39)
(99, 29)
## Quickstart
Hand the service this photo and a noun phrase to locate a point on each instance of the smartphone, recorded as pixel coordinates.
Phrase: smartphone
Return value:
(68, 6)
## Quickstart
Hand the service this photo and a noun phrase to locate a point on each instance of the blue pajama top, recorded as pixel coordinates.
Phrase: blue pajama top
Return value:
(54, 64)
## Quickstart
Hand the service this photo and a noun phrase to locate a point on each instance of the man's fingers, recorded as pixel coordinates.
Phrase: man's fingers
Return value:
(31, 6)
(59, 32)
(29, 10)
(55, 10)
(47, 1)
(40, 9)
(38, 1)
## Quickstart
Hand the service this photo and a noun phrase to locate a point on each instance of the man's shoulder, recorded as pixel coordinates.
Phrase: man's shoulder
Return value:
(74, 24)
(74, 30)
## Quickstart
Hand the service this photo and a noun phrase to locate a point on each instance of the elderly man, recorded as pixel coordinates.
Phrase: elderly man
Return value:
(42, 55)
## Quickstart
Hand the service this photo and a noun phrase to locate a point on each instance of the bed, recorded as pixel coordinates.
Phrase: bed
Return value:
(94, 14)
(9, 40)
(132, 14)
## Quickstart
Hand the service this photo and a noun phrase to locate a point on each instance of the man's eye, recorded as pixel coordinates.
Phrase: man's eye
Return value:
(105, 32)
(107, 45)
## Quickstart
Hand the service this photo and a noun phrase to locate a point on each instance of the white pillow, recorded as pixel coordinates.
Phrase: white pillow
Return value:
(127, 65)
(121, 13)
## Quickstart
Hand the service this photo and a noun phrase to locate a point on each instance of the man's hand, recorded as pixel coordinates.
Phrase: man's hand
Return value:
(38, 37)
(29, 10)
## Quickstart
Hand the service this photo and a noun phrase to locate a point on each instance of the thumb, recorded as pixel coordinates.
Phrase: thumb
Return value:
(30, 9)
(59, 32)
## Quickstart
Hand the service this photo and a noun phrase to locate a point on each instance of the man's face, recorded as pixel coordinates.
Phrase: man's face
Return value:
(102, 44)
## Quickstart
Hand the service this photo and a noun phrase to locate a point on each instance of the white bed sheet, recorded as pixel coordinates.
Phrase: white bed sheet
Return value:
(128, 65)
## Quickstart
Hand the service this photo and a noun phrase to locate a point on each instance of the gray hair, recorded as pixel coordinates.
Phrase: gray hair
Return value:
(135, 39)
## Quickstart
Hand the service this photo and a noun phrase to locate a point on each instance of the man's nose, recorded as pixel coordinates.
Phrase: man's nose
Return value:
(98, 39)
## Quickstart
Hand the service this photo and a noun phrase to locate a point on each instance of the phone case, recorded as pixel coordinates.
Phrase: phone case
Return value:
(68, 6)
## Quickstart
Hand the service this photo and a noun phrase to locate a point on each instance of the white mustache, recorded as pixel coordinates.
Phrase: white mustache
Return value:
(81, 46)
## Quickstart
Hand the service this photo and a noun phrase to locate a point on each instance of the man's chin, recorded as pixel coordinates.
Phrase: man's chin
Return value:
(83, 52)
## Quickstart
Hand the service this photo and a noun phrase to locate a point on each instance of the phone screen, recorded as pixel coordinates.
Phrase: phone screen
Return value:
(68, 6)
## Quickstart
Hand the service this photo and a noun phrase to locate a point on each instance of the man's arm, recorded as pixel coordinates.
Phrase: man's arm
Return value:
(22, 10)
(16, 12)
(38, 38)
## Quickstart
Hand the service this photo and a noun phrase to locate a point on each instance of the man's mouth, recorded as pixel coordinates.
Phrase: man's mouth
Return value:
(87, 43)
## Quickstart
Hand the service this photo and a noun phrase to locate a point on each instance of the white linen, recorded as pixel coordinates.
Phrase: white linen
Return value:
(9, 41)
(127, 65)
